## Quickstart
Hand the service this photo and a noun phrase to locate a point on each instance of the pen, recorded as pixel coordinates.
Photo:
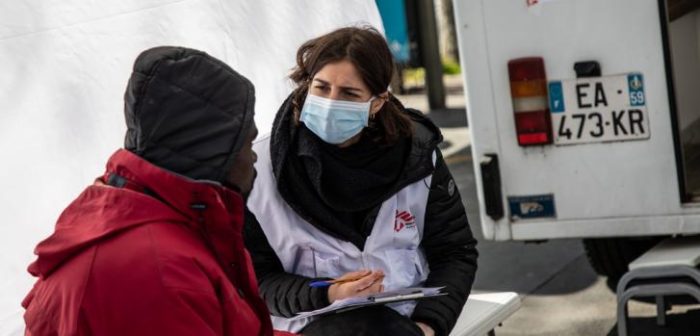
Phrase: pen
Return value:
(325, 283)
(401, 297)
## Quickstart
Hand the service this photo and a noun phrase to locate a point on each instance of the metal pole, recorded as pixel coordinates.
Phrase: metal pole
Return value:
(430, 51)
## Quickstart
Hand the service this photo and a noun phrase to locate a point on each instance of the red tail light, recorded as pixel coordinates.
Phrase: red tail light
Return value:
(528, 89)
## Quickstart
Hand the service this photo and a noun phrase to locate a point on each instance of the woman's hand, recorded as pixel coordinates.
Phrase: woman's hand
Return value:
(368, 282)
(427, 330)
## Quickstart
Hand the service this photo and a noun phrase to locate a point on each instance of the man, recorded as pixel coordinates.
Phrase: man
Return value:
(154, 246)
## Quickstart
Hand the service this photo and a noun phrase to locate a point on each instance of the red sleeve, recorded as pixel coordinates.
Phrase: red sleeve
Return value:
(150, 291)
(156, 312)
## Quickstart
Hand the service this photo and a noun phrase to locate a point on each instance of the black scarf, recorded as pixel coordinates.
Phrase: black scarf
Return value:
(333, 188)
(359, 177)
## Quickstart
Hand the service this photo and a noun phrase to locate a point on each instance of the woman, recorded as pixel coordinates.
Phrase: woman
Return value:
(350, 183)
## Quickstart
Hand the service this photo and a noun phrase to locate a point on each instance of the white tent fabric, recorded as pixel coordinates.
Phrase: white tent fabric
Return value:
(63, 70)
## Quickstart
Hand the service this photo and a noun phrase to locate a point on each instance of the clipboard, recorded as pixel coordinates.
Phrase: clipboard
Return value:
(399, 295)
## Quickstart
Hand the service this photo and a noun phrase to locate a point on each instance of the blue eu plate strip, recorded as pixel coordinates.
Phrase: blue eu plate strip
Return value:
(556, 97)
(635, 83)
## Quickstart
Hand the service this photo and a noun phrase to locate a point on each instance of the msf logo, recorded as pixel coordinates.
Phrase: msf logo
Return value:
(404, 219)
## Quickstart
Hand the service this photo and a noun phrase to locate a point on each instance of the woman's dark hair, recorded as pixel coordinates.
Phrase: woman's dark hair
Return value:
(368, 51)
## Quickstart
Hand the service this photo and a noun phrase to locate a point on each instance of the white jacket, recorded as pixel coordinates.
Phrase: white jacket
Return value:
(393, 245)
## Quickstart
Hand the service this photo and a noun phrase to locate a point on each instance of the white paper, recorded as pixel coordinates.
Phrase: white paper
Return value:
(402, 294)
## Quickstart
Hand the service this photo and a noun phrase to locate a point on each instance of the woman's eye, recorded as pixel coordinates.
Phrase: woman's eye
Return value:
(322, 88)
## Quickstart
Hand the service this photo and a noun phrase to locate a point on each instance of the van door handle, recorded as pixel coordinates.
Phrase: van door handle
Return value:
(491, 181)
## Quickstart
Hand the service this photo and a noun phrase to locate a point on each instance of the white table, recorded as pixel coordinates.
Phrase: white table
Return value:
(483, 312)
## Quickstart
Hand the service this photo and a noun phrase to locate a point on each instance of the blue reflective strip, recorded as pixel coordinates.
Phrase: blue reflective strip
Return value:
(556, 97)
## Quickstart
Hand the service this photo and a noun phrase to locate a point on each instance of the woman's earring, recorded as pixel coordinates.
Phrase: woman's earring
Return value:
(371, 116)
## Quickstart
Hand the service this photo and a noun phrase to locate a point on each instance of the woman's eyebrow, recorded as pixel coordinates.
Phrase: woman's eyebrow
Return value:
(346, 88)
(321, 81)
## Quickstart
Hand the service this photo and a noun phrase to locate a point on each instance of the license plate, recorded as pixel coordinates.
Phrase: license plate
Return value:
(599, 109)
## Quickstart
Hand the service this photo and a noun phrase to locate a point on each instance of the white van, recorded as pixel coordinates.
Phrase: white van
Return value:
(585, 120)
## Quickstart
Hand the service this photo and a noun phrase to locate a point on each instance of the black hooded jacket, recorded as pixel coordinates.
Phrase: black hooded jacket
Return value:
(447, 241)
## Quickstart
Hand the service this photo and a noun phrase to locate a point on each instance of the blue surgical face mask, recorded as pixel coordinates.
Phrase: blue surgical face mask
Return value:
(334, 121)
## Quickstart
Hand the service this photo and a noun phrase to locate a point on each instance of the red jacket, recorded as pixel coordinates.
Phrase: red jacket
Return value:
(161, 255)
